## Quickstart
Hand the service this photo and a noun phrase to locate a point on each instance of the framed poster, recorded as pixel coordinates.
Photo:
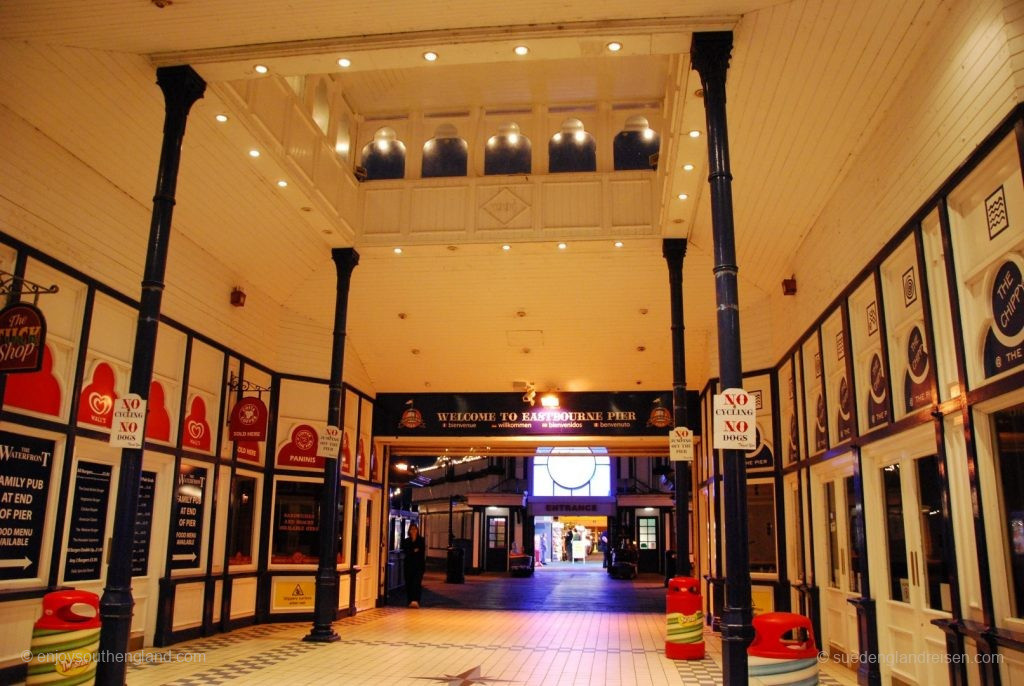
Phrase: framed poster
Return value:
(838, 386)
(814, 395)
(986, 216)
(870, 371)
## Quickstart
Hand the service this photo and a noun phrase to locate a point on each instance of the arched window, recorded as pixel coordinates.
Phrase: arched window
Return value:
(572, 149)
(445, 154)
(508, 152)
(384, 156)
(635, 144)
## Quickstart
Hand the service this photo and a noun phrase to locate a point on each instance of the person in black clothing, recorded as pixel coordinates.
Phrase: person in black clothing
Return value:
(415, 549)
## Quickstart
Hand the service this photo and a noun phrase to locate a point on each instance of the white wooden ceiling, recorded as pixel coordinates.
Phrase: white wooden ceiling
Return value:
(808, 83)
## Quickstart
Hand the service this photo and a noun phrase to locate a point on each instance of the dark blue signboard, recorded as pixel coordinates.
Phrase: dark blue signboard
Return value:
(188, 517)
(84, 556)
(1004, 344)
(511, 414)
(143, 524)
(24, 485)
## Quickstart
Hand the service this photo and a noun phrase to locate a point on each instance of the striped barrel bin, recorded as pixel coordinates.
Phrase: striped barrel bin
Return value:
(684, 635)
(65, 640)
(776, 661)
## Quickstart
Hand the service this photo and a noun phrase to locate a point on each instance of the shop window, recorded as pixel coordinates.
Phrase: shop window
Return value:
(761, 528)
(445, 154)
(321, 110)
(572, 149)
(1009, 426)
(508, 152)
(296, 523)
(833, 534)
(636, 146)
(571, 472)
(895, 534)
(854, 527)
(384, 156)
(936, 575)
(243, 501)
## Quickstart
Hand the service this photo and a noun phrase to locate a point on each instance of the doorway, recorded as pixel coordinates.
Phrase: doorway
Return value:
(571, 542)
(497, 543)
(837, 514)
(902, 491)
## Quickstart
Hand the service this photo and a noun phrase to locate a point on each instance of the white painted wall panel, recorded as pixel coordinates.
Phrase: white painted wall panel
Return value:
(243, 597)
(572, 204)
(439, 209)
(188, 606)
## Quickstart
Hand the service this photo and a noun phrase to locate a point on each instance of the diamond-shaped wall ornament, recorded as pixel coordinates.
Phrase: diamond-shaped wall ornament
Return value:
(505, 206)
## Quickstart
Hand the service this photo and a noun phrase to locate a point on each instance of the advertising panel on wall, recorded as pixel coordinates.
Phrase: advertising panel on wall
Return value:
(189, 509)
(299, 447)
(508, 414)
(814, 395)
(838, 390)
(910, 360)
(986, 214)
(24, 485)
(869, 369)
(788, 415)
(762, 457)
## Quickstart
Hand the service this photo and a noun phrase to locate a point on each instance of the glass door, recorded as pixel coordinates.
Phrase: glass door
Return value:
(910, 574)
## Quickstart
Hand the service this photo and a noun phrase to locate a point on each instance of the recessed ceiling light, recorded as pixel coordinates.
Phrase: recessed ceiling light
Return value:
(430, 56)
(521, 50)
(254, 153)
(687, 167)
(398, 251)
(618, 244)
(344, 63)
(562, 246)
(221, 118)
(260, 69)
(506, 247)
(614, 46)
(695, 134)
(683, 196)
(282, 184)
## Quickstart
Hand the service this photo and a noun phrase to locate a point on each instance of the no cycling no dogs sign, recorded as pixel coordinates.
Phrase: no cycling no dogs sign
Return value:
(734, 425)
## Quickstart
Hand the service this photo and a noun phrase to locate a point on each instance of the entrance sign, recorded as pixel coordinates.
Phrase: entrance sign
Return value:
(22, 335)
(680, 444)
(506, 414)
(129, 422)
(735, 420)
(24, 484)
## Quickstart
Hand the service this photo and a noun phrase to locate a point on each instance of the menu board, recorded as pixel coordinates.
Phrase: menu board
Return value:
(189, 503)
(986, 213)
(84, 556)
(869, 373)
(143, 524)
(910, 360)
(24, 485)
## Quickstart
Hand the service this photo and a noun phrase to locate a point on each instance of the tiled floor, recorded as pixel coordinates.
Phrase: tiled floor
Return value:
(395, 646)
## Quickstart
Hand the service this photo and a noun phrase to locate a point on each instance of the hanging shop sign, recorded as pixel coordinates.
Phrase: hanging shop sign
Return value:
(84, 557)
(735, 420)
(248, 420)
(143, 524)
(24, 483)
(1004, 342)
(189, 501)
(510, 414)
(22, 337)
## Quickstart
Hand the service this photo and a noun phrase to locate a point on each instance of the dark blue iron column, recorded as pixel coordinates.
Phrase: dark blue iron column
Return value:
(674, 250)
(181, 86)
(325, 608)
(709, 55)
